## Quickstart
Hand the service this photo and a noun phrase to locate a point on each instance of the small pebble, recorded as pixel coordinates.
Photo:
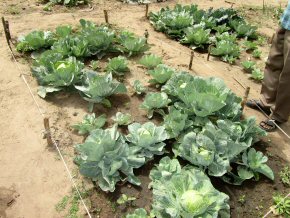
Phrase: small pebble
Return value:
(75, 114)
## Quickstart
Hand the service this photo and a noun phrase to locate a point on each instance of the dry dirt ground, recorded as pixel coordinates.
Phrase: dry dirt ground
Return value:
(33, 179)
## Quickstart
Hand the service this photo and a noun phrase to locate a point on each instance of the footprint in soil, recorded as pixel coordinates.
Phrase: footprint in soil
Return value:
(7, 198)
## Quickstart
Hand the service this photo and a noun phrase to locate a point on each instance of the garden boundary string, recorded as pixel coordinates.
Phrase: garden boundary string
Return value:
(22, 75)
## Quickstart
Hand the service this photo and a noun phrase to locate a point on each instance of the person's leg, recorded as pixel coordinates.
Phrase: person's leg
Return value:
(281, 109)
(273, 69)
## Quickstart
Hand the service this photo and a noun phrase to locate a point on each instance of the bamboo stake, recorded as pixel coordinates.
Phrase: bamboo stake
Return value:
(47, 131)
(106, 16)
(191, 59)
(147, 10)
(245, 98)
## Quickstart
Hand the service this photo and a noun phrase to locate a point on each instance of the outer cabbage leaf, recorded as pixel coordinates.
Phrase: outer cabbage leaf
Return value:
(155, 102)
(187, 193)
(147, 139)
(138, 213)
(106, 158)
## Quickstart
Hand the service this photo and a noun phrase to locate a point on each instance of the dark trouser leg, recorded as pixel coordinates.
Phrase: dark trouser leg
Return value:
(273, 69)
(281, 109)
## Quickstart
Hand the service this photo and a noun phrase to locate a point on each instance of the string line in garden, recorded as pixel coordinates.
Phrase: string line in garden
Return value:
(53, 140)
(270, 211)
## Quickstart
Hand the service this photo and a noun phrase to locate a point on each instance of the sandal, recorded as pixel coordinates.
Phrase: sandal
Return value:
(269, 125)
(257, 105)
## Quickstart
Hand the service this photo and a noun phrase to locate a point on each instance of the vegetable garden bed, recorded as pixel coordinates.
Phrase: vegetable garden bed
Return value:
(195, 119)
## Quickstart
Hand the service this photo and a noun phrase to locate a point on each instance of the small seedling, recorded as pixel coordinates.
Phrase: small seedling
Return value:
(242, 199)
(257, 53)
(95, 65)
(285, 175)
(61, 205)
(127, 200)
(281, 205)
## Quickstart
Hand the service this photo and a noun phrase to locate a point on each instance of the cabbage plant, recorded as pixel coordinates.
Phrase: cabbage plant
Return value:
(146, 139)
(202, 97)
(138, 213)
(186, 192)
(196, 36)
(106, 158)
(89, 123)
(138, 87)
(122, 119)
(161, 74)
(150, 61)
(215, 147)
(154, 102)
(97, 88)
(54, 74)
(118, 66)
(35, 40)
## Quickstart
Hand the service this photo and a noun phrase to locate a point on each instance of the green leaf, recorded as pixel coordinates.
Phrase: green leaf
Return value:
(138, 87)
(161, 74)
(118, 66)
(122, 119)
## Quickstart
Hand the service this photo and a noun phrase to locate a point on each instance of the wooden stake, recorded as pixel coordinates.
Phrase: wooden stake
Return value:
(147, 10)
(146, 35)
(272, 38)
(5, 24)
(245, 98)
(106, 16)
(263, 6)
(209, 50)
(47, 131)
(191, 59)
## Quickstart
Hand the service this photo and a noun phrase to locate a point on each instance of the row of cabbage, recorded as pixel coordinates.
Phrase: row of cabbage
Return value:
(221, 28)
(201, 116)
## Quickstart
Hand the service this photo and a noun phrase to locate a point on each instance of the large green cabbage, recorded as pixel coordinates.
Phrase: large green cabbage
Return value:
(185, 192)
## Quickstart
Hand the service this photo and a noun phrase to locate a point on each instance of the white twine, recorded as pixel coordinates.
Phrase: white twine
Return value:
(54, 142)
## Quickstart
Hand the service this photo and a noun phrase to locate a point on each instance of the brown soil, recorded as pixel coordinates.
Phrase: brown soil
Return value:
(35, 171)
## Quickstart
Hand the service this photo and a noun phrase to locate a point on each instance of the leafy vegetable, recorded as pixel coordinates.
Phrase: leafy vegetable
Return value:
(248, 65)
(124, 199)
(215, 147)
(68, 2)
(146, 140)
(138, 213)
(257, 74)
(197, 36)
(35, 41)
(222, 28)
(150, 61)
(257, 53)
(53, 74)
(243, 29)
(256, 162)
(281, 205)
(138, 87)
(186, 192)
(228, 51)
(155, 102)
(131, 44)
(95, 65)
(161, 74)
(122, 119)
(249, 46)
(89, 123)
(202, 97)
(106, 158)
(118, 66)
(96, 88)
(175, 122)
